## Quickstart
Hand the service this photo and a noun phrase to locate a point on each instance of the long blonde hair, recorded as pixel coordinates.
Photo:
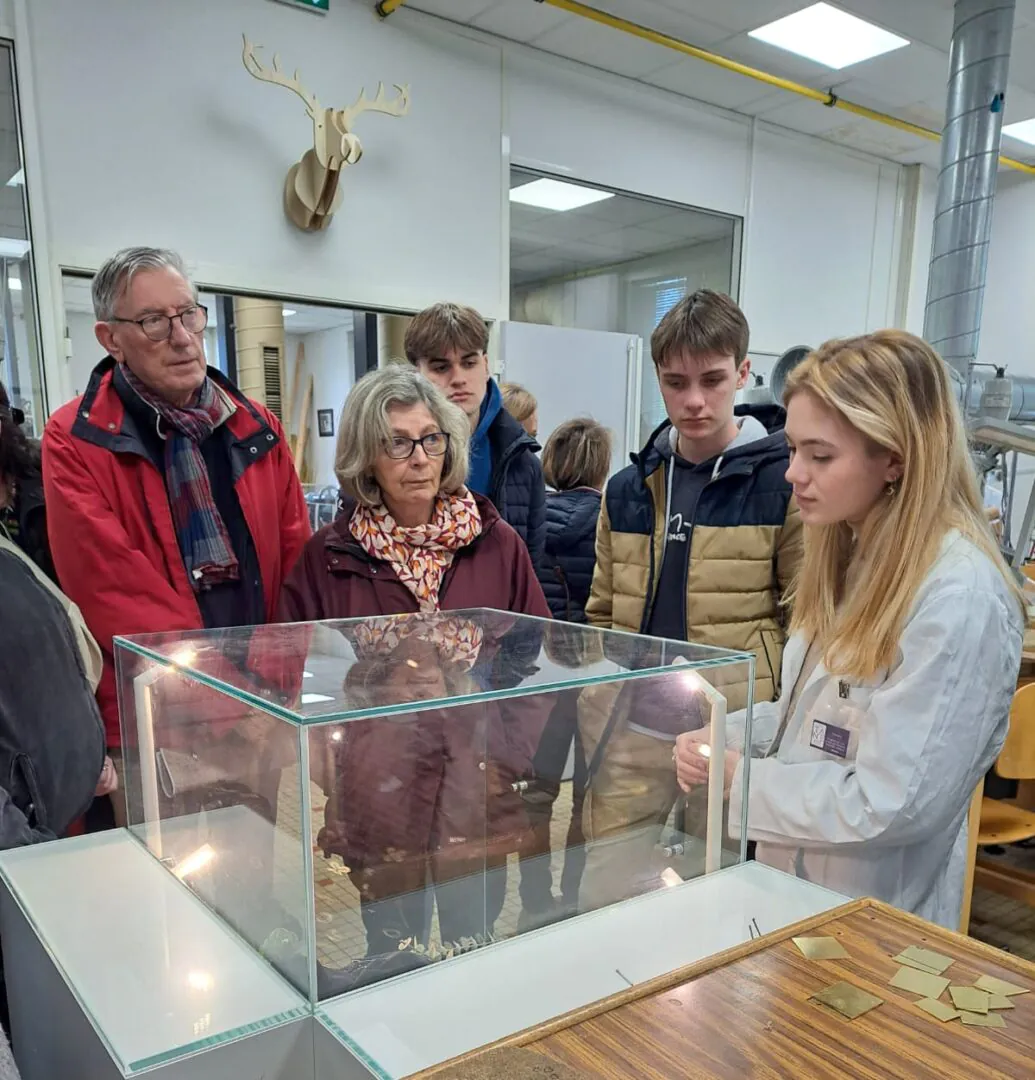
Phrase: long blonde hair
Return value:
(893, 388)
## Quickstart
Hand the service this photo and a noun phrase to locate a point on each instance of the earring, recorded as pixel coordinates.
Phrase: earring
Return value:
(891, 488)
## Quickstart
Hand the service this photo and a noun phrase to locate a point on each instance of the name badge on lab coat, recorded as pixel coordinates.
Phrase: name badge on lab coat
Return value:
(830, 739)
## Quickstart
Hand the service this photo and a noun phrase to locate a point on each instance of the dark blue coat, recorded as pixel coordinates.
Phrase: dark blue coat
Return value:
(566, 571)
(517, 489)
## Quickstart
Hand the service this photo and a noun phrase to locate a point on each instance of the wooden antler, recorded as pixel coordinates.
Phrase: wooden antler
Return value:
(398, 106)
(277, 76)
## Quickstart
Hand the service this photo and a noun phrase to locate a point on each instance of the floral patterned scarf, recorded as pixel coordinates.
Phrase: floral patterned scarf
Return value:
(420, 556)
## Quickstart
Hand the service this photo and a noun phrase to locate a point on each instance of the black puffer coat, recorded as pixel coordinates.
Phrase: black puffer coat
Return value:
(566, 571)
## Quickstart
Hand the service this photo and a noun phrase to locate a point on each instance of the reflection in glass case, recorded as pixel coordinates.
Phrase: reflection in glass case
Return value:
(365, 797)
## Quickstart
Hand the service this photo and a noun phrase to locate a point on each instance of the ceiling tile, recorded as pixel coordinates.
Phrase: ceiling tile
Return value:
(924, 153)
(520, 22)
(538, 263)
(810, 117)
(631, 242)
(525, 244)
(927, 21)
(604, 48)
(685, 225)
(877, 139)
(1022, 58)
(563, 226)
(657, 15)
(626, 210)
(915, 74)
(461, 11)
(706, 82)
(1020, 105)
(736, 15)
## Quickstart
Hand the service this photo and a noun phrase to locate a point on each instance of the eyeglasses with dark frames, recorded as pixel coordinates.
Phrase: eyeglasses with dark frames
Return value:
(434, 444)
(159, 327)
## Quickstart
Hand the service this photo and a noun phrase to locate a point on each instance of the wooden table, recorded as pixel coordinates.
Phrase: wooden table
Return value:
(746, 1014)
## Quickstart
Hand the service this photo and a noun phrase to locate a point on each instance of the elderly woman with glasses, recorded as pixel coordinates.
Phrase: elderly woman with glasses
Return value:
(411, 538)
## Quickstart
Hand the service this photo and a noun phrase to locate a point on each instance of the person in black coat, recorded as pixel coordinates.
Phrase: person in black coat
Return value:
(23, 516)
(576, 462)
(447, 344)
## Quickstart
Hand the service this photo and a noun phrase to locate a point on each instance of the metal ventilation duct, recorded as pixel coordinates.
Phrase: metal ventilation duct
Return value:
(978, 67)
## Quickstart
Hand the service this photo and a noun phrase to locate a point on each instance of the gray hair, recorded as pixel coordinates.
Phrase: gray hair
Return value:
(364, 430)
(114, 276)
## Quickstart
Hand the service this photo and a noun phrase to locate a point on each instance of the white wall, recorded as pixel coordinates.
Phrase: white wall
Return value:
(86, 351)
(174, 143)
(329, 359)
(821, 245)
(424, 215)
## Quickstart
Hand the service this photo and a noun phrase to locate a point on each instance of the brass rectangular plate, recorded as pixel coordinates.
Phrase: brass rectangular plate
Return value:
(919, 982)
(906, 961)
(999, 1001)
(969, 998)
(848, 1000)
(998, 986)
(820, 948)
(938, 1009)
(924, 958)
(982, 1019)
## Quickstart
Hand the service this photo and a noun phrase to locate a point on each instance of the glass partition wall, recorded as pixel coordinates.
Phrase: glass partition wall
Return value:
(586, 257)
(21, 370)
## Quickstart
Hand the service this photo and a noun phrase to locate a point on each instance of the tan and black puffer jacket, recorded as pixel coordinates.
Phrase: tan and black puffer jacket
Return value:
(745, 549)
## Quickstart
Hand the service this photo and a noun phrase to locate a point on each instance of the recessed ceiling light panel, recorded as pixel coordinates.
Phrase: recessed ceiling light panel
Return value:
(829, 36)
(557, 195)
(1023, 131)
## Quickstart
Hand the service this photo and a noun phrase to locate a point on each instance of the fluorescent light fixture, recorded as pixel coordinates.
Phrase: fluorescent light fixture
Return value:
(14, 284)
(1023, 131)
(288, 312)
(18, 179)
(831, 37)
(557, 195)
(315, 699)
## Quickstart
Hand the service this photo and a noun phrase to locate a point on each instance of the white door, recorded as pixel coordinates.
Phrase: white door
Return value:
(578, 373)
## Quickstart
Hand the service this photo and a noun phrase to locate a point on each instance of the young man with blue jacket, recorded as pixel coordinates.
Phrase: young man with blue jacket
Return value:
(698, 540)
(448, 344)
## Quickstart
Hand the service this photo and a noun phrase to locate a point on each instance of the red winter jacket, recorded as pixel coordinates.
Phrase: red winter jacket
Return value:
(111, 528)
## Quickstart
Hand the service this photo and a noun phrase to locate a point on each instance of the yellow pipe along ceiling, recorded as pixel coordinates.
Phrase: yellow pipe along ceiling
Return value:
(829, 99)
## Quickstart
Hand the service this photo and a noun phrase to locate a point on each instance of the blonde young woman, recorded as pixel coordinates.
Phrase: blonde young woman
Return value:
(907, 631)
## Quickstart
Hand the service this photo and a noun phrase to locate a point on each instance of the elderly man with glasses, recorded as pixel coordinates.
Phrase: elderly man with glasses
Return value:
(172, 500)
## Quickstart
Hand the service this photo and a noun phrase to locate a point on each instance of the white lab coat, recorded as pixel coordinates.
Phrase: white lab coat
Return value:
(888, 819)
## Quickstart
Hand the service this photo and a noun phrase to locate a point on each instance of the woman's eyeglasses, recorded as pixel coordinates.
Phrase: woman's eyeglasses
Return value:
(435, 444)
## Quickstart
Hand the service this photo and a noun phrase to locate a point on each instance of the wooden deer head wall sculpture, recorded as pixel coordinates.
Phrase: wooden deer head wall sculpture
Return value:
(311, 192)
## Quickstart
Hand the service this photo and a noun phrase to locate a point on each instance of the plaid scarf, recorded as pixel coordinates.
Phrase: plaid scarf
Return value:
(200, 530)
(420, 556)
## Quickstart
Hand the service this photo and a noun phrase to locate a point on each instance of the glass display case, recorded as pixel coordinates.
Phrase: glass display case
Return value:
(364, 798)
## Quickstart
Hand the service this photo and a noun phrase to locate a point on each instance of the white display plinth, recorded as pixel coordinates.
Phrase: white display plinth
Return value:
(156, 975)
(429, 1016)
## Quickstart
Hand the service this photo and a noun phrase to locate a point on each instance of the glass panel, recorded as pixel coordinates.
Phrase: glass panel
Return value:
(400, 1029)
(205, 777)
(298, 670)
(191, 986)
(462, 777)
(616, 264)
(21, 368)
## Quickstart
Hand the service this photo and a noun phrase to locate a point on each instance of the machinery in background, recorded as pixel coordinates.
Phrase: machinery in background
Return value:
(999, 410)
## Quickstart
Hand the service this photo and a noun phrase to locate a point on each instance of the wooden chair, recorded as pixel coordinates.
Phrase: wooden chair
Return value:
(1003, 822)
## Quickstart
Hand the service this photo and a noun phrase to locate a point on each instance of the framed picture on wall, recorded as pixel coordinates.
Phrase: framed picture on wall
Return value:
(325, 421)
